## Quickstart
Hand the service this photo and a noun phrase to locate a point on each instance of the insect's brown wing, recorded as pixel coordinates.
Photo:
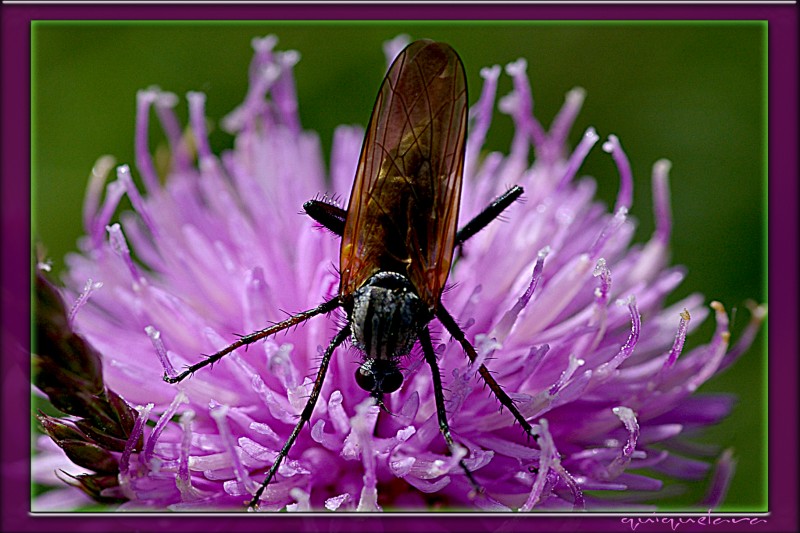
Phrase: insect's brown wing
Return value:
(404, 204)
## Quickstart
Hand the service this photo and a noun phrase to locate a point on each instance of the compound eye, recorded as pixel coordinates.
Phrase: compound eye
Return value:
(365, 378)
(392, 381)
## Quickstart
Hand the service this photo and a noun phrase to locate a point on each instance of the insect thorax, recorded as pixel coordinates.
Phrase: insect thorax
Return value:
(386, 316)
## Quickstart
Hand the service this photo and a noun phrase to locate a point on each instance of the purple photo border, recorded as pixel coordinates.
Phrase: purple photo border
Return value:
(16, 262)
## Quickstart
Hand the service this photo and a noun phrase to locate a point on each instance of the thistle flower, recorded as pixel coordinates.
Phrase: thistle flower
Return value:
(562, 307)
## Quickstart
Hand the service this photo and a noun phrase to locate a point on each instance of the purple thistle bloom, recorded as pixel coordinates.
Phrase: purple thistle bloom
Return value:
(561, 306)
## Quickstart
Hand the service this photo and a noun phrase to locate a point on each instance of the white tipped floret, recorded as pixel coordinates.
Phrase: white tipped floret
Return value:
(517, 67)
(264, 44)
(576, 96)
(611, 144)
(88, 289)
(393, 47)
(166, 99)
(147, 96)
(600, 267)
(123, 172)
(492, 72)
(289, 58)
(117, 240)
(662, 166)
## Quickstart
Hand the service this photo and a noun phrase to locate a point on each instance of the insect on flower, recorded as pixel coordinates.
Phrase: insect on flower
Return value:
(399, 234)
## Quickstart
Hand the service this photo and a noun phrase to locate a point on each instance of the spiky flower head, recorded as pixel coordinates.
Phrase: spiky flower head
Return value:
(564, 309)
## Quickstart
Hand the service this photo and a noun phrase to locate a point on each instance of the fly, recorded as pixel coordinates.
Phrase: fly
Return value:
(399, 234)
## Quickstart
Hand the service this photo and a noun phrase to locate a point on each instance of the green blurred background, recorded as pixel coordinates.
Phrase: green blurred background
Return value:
(694, 93)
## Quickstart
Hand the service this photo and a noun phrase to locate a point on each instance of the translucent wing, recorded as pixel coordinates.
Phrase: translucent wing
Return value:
(404, 204)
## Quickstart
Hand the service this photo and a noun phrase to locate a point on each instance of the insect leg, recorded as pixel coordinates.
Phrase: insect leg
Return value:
(293, 320)
(451, 326)
(332, 217)
(329, 215)
(483, 218)
(305, 416)
(430, 357)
